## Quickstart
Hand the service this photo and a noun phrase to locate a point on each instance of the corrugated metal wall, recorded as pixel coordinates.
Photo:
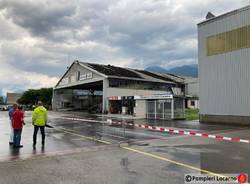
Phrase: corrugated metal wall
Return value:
(224, 79)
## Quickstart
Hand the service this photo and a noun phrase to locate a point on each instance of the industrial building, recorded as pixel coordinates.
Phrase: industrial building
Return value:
(110, 89)
(192, 92)
(12, 98)
(224, 63)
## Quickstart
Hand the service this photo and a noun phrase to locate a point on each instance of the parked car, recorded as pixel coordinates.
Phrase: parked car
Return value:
(3, 107)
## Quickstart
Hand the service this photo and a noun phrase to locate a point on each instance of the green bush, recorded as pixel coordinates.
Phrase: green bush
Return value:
(192, 114)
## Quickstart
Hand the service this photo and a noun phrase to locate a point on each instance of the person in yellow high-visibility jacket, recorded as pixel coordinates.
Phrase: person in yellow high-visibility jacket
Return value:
(39, 120)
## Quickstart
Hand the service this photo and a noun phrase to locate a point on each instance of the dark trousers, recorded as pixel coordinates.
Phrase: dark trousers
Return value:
(17, 137)
(36, 128)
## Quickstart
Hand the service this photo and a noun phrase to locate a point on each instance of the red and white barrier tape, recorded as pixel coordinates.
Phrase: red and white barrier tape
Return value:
(163, 129)
(183, 132)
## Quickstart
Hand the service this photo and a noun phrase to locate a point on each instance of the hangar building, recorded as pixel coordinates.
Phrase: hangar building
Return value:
(110, 89)
(224, 64)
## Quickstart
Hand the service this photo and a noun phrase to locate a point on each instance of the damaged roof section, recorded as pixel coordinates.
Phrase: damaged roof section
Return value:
(133, 74)
(163, 76)
(110, 70)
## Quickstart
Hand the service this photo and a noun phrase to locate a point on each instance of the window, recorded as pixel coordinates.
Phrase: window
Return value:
(192, 103)
(78, 75)
(229, 41)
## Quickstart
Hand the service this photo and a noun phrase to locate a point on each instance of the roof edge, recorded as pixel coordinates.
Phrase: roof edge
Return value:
(233, 12)
(83, 64)
(68, 68)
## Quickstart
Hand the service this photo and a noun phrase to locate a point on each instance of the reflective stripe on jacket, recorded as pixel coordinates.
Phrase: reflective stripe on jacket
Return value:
(39, 116)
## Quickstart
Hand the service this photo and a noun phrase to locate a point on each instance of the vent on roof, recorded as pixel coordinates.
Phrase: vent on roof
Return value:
(210, 15)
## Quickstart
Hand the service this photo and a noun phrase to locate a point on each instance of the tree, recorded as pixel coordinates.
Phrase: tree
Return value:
(32, 96)
(1, 100)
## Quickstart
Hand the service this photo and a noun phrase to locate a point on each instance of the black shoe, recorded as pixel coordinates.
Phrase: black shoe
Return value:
(10, 143)
(18, 146)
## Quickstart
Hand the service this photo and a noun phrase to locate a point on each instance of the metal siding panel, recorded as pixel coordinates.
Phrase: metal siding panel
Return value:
(224, 79)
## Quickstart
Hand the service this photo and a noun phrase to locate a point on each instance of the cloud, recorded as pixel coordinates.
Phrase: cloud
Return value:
(39, 38)
(17, 80)
(39, 17)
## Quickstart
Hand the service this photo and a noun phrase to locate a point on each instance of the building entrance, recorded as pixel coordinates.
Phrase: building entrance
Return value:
(159, 109)
(166, 109)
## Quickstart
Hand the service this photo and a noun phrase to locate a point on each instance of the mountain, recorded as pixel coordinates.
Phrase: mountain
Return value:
(185, 70)
(156, 69)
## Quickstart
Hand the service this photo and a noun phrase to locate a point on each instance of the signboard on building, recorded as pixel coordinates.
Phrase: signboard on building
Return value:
(89, 75)
(153, 96)
(86, 76)
(115, 98)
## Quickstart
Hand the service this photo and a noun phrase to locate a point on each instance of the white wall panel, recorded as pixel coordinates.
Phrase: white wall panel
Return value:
(224, 79)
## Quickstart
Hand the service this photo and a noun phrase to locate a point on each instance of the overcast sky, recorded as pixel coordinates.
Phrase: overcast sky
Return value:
(40, 38)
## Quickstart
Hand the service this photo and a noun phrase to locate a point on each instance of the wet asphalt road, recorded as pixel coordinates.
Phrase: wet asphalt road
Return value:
(84, 152)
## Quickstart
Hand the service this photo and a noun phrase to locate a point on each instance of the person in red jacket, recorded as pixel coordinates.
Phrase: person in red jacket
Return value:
(17, 123)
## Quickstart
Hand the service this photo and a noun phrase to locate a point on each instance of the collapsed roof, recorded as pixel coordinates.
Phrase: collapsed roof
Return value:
(127, 73)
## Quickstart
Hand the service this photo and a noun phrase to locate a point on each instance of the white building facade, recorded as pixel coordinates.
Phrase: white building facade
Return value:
(224, 64)
(12, 98)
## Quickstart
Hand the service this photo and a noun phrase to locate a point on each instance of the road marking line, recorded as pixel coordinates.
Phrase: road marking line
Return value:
(172, 161)
(85, 137)
(146, 154)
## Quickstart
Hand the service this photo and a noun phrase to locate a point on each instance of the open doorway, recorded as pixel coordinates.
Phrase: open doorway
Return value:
(115, 106)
